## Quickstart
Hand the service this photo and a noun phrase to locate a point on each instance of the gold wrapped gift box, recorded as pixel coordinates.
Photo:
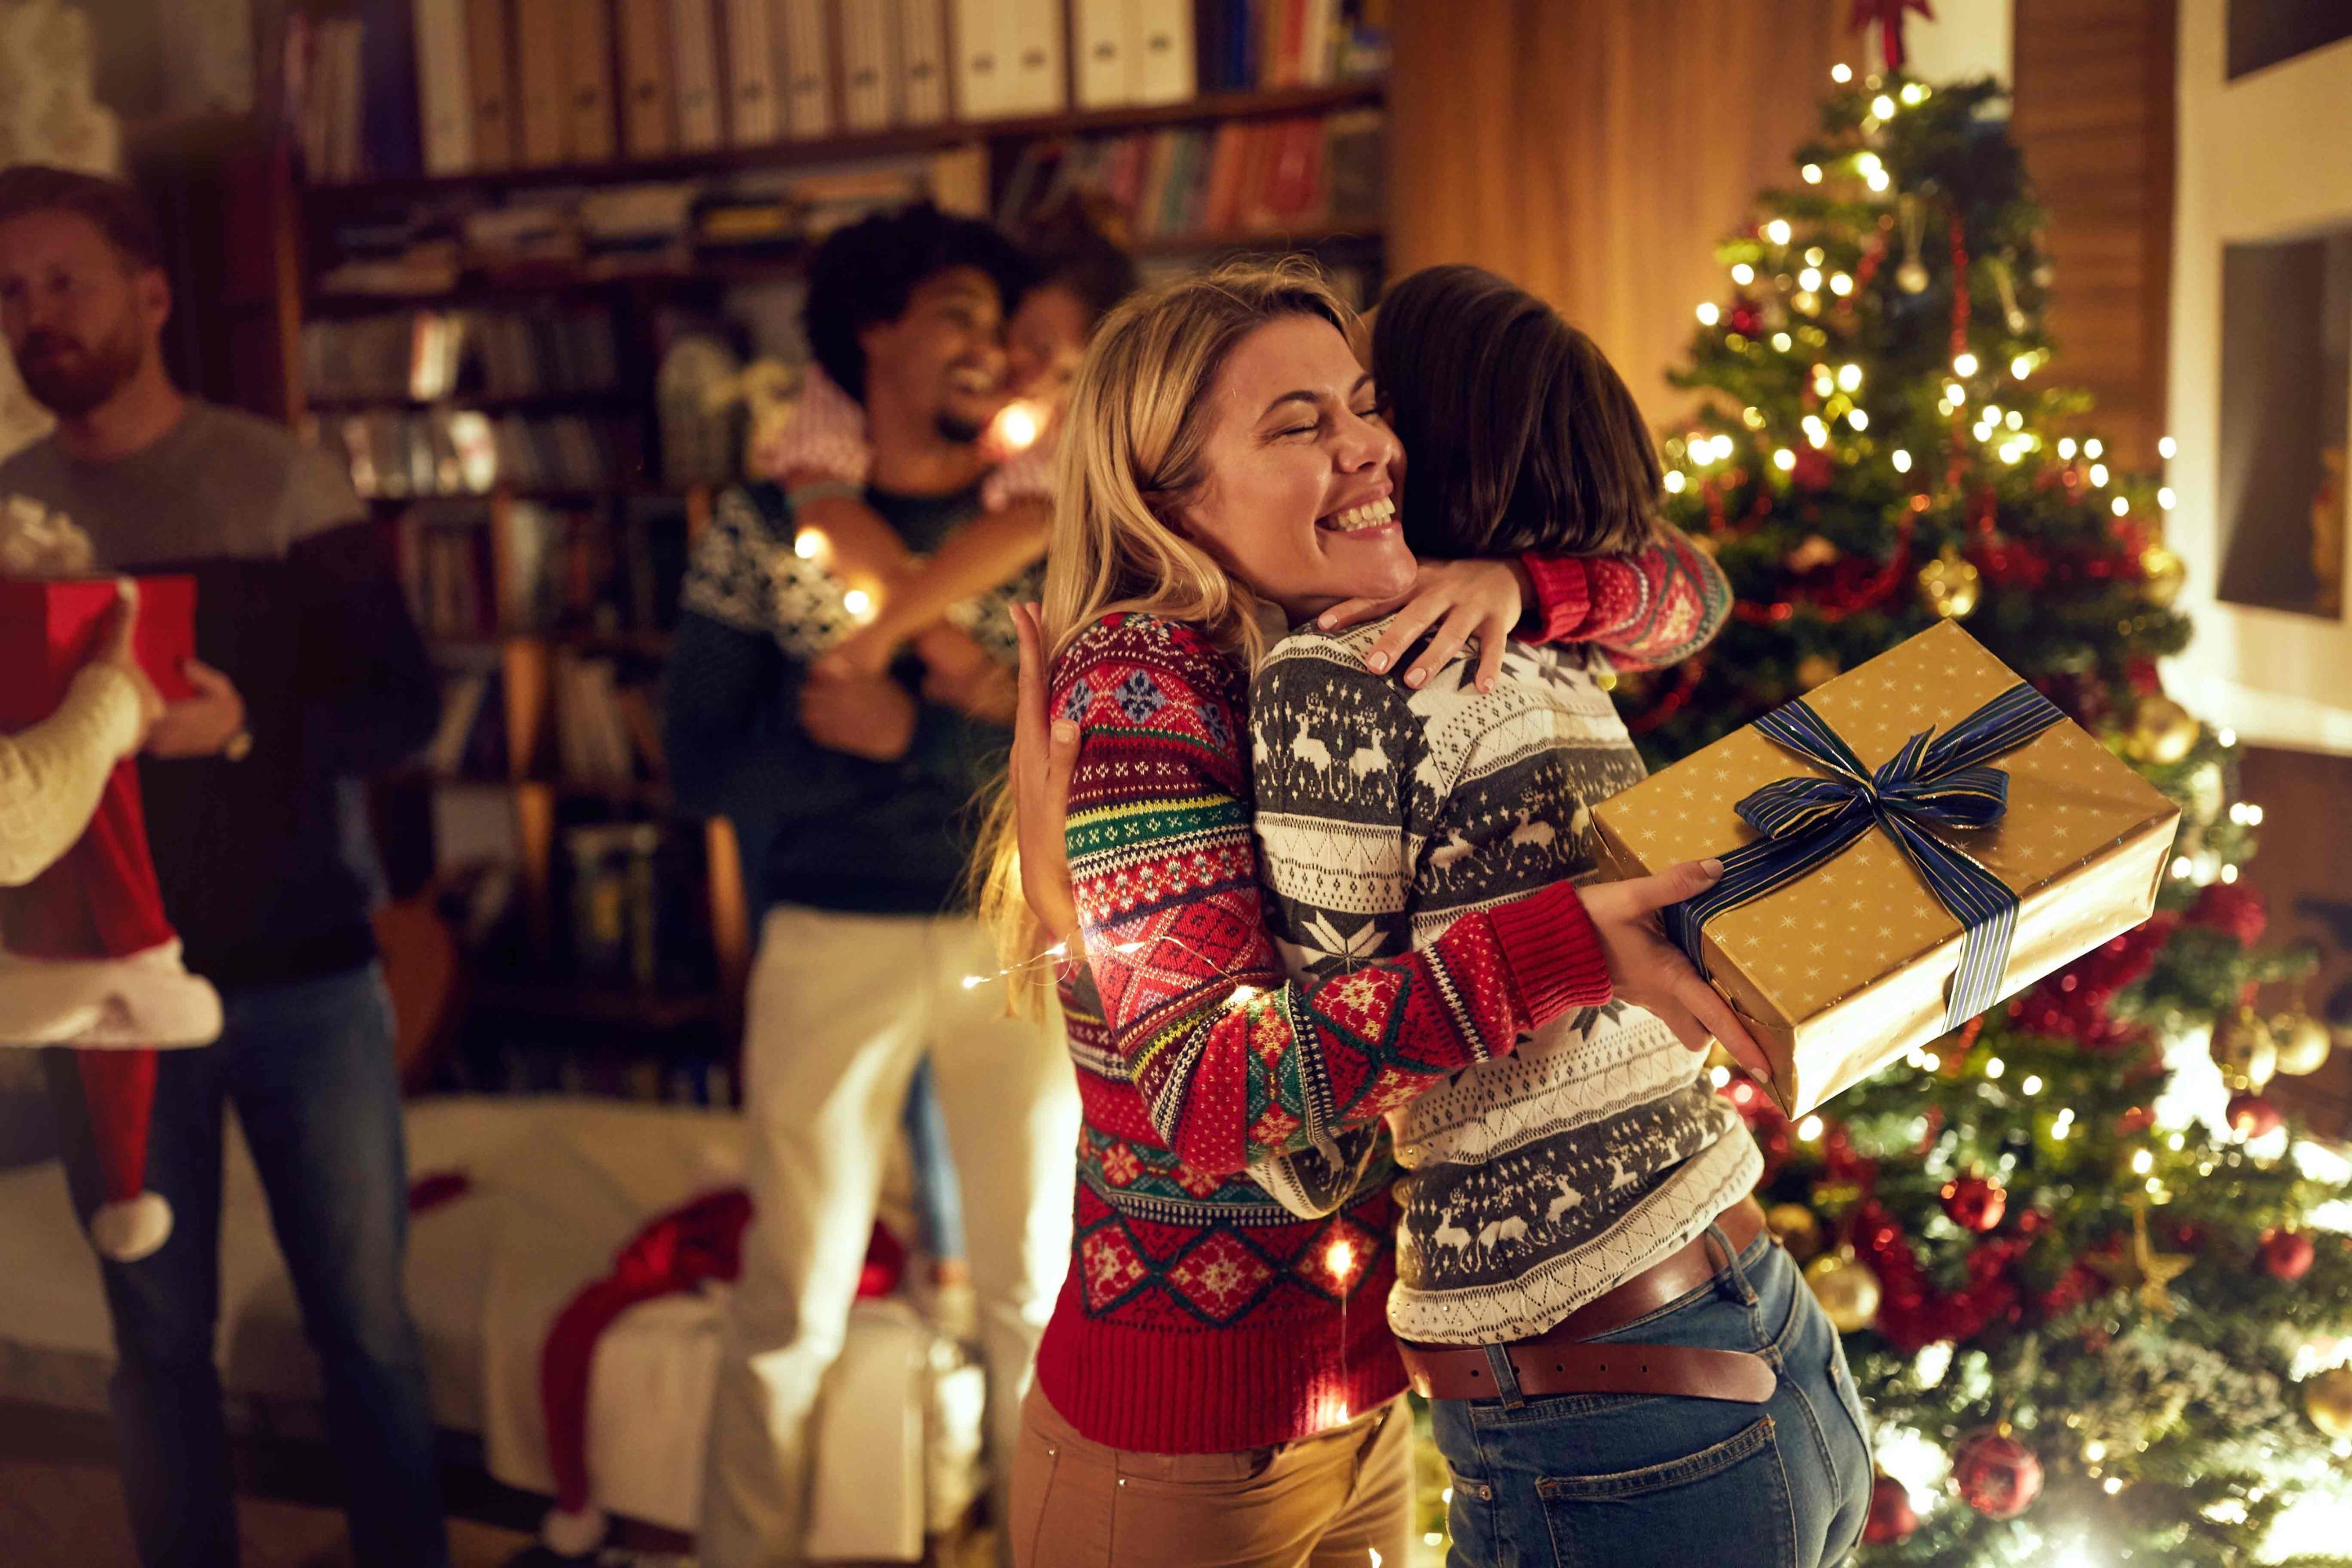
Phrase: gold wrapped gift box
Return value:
(1845, 968)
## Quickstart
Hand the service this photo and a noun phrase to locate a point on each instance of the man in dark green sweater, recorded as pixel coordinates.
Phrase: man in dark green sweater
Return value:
(854, 800)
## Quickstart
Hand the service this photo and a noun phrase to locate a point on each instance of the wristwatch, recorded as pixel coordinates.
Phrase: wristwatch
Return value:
(237, 746)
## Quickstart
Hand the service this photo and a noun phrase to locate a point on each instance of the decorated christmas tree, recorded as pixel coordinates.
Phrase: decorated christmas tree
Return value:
(2089, 1278)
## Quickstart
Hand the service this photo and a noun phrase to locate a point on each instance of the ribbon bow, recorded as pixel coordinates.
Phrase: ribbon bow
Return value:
(1931, 782)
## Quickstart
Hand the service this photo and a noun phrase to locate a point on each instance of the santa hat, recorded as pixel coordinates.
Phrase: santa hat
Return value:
(86, 957)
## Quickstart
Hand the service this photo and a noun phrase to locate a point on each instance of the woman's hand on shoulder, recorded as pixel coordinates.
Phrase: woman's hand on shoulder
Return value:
(1461, 600)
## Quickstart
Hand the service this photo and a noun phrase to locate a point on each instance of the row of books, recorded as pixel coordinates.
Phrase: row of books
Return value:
(645, 229)
(402, 454)
(448, 87)
(1263, 176)
(433, 356)
(617, 576)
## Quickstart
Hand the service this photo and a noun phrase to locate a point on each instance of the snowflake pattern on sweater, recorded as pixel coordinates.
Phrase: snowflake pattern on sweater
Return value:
(1196, 1057)
(1385, 816)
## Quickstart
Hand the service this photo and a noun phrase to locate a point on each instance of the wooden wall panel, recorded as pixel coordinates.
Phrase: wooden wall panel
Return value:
(2095, 114)
(1595, 151)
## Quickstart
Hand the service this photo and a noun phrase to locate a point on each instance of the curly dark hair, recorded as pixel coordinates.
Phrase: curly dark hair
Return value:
(118, 209)
(865, 272)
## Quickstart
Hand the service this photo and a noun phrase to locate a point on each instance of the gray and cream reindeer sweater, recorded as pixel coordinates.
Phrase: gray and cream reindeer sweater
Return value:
(1537, 1182)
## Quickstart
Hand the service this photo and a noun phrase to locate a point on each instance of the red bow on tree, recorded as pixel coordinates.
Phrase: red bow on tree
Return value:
(1888, 15)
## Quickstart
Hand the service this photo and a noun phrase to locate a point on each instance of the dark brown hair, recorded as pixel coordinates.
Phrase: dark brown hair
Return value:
(113, 205)
(1519, 434)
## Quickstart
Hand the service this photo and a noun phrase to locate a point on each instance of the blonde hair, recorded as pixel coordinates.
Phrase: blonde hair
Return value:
(1134, 440)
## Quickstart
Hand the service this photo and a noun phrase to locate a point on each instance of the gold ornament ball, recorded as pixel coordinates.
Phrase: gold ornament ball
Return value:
(1798, 1228)
(2163, 571)
(1846, 1289)
(2162, 730)
(1911, 278)
(2327, 1400)
(2303, 1043)
(2244, 1050)
(1814, 668)
(1950, 585)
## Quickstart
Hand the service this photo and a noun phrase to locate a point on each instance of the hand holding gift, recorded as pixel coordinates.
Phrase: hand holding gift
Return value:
(1883, 883)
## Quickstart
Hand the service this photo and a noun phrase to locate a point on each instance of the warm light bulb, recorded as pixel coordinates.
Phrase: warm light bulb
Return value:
(1841, 284)
(1781, 341)
(1017, 427)
(2123, 506)
(858, 602)
(1877, 181)
(1869, 164)
(1743, 274)
(1882, 107)
(808, 544)
(1964, 364)
(1914, 93)
(2253, 815)
(1777, 231)
(1901, 460)
(1815, 256)
(1812, 173)
(1341, 1257)
(1675, 481)
(2066, 448)
(1822, 384)
(2032, 1084)
(1809, 1129)
(2227, 737)
(1815, 431)
(1955, 394)
(1849, 377)
(1784, 459)
(972, 982)
(1810, 278)
(2229, 873)
(1718, 1076)
(1857, 418)
(2165, 499)
(2021, 366)
(2142, 1163)
(2166, 447)
(2091, 448)
(2181, 867)
(1245, 993)
(1708, 315)
(2098, 473)
(1841, 73)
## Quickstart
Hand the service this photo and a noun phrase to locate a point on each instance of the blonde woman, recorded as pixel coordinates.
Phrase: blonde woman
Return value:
(1217, 1385)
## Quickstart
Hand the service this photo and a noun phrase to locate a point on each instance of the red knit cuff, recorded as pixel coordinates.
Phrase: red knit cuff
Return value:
(1553, 954)
(1563, 585)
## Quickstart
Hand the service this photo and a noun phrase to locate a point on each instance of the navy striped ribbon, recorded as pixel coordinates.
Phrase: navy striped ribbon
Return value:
(1941, 784)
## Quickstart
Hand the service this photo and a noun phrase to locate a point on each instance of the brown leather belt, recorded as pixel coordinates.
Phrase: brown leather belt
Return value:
(1557, 1361)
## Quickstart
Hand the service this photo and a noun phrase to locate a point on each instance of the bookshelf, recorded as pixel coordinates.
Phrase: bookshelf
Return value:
(488, 349)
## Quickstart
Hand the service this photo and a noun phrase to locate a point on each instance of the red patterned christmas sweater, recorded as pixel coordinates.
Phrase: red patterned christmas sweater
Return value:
(1199, 1315)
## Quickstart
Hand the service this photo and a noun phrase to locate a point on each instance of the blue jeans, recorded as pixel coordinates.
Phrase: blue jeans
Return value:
(309, 1067)
(939, 1197)
(1620, 1480)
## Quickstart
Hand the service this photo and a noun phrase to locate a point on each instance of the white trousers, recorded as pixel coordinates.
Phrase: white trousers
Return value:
(840, 1007)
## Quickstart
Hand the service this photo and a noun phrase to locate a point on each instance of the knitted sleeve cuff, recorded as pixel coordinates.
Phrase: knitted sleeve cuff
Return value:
(105, 707)
(1553, 954)
(1563, 585)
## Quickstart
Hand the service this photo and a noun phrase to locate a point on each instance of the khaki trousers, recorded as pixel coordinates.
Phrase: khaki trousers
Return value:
(1333, 1500)
(839, 1009)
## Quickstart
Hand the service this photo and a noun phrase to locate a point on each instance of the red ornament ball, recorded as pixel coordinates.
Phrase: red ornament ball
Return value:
(2252, 1116)
(2234, 911)
(1998, 1476)
(1892, 1518)
(1975, 1202)
(2284, 1254)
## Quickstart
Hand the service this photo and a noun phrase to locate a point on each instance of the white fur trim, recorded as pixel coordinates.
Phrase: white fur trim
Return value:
(569, 1535)
(146, 1000)
(127, 1232)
